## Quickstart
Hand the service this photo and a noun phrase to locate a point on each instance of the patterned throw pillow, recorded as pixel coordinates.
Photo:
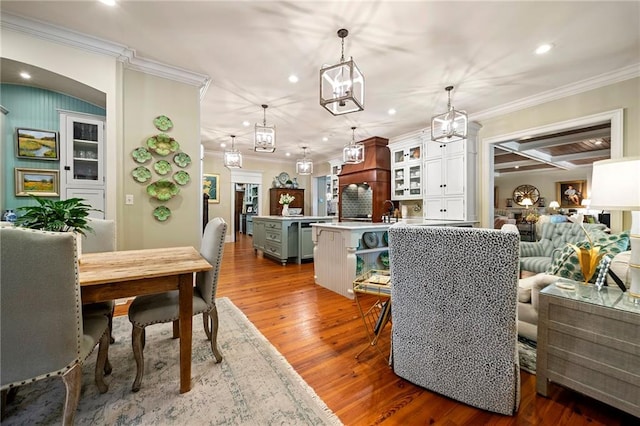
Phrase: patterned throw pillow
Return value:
(567, 265)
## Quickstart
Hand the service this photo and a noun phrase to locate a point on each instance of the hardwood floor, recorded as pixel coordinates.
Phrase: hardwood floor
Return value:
(320, 332)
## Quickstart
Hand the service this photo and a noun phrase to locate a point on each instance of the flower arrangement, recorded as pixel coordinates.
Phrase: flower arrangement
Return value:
(532, 217)
(286, 199)
(588, 257)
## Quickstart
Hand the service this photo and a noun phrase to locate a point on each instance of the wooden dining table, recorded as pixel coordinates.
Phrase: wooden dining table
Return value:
(119, 274)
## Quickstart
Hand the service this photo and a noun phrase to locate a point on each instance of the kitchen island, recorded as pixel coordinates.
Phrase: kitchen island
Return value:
(344, 250)
(285, 237)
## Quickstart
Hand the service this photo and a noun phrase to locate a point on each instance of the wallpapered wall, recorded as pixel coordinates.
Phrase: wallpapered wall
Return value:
(31, 108)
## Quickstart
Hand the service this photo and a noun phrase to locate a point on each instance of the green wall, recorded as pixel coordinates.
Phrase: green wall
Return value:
(31, 108)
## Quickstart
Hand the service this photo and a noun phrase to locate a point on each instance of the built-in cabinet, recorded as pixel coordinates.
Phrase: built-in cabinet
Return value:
(82, 160)
(251, 198)
(450, 178)
(406, 169)
(333, 187)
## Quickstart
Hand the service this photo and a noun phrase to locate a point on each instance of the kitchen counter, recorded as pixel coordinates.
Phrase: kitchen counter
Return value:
(341, 253)
(285, 237)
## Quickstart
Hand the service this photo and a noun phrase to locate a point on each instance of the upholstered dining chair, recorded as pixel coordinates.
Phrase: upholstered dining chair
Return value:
(101, 238)
(164, 307)
(43, 331)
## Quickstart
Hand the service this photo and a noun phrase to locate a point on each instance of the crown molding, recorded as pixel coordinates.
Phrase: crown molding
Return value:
(122, 53)
(606, 79)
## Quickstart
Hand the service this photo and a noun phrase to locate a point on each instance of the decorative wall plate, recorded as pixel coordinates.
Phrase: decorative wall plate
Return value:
(162, 167)
(162, 144)
(370, 239)
(526, 191)
(283, 178)
(359, 265)
(182, 159)
(161, 213)
(141, 174)
(383, 258)
(181, 177)
(163, 190)
(385, 238)
(163, 123)
(141, 155)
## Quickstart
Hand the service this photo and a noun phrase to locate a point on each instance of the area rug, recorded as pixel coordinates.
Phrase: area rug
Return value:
(253, 385)
(527, 354)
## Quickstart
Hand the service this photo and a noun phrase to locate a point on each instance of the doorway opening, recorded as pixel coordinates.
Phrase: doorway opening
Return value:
(241, 180)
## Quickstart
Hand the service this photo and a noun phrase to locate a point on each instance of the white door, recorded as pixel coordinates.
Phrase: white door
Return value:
(93, 197)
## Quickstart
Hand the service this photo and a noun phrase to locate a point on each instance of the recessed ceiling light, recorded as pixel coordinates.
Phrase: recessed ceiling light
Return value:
(223, 145)
(392, 111)
(288, 154)
(293, 78)
(516, 167)
(25, 75)
(325, 139)
(544, 48)
(108, 2)
(245, 123)
(599, 142)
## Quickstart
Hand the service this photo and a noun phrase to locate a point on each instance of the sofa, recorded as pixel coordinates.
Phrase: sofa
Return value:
(537, 256)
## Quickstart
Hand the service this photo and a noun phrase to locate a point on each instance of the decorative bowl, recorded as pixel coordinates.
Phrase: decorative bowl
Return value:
(162, 144)
(163, 190)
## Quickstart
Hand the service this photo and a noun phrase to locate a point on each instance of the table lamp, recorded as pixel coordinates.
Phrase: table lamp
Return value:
(554, 206)
(615, 185)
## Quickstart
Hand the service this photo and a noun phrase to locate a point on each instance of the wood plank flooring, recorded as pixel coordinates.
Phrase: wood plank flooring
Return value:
(320, 332)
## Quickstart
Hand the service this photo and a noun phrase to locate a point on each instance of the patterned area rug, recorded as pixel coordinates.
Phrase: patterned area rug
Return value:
(527, 353)
(253, 385)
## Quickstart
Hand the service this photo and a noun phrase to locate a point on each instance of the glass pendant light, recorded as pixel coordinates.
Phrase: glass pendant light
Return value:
(354, 152)
(265, 136)
(342, 85)
(450, 126)
(232, 157)
(304, 166)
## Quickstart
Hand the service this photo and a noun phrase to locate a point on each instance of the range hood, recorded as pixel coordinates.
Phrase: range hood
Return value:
(372, 181)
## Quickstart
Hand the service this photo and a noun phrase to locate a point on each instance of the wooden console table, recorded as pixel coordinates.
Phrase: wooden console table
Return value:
(591, 345)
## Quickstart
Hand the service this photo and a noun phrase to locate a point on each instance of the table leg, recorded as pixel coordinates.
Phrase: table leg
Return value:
(185, 287)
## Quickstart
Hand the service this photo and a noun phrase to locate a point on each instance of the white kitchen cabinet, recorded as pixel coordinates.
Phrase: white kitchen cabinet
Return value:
(406, 169)
(82, 159)
(450, 178)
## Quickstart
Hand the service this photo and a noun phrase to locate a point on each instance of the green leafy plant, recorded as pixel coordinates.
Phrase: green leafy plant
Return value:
(68, 215)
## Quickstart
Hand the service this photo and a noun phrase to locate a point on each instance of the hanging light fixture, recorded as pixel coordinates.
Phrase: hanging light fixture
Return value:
(342, 85)
(450, 126)
(265, 136)
(232, 157)
(304, 166)
(354, 152)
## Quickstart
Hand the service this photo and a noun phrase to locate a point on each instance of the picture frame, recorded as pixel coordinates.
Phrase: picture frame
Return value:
(34, 144)
(40, 182)
(211, 187)
(570, 193)
(249, 209)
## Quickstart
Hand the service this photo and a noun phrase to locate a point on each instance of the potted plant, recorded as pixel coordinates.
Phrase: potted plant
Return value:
(68, 215)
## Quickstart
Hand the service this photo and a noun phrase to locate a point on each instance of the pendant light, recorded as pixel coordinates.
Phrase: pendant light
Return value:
(450, 126)
(342, 85)
(265, 136)
(304, 166)
(354, 152)
(232, 157)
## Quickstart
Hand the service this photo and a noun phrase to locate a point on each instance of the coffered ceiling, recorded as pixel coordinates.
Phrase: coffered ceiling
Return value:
(409, 51)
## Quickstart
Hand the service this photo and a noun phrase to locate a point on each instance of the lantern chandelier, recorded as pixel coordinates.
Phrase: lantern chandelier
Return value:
(304, 166)
(342, 85)
(265, 136)
(354, 152)
(450, 126)
(232, 157)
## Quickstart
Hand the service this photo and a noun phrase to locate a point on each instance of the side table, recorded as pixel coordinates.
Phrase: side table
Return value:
(527, 231)
(376, 315)
(591, 345)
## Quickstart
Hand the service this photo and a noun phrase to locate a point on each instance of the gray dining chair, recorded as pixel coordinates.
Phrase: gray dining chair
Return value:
(164, 307)
(101, 238)
(44, 333)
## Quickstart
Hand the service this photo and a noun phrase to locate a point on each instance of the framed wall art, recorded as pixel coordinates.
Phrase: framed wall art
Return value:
(570, 194)
(37, 144)
(40, 182)
(211, 187)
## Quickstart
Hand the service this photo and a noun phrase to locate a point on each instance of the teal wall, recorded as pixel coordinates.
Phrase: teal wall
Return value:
(31, 108)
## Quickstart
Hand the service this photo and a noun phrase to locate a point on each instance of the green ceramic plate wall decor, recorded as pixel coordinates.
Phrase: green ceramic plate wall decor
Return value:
(162, 144)
(141, 174)
(181, 177)
(161, 213)
(141, 155)
(163, 190)
(162, 167)
(182, 159)
(163, 123)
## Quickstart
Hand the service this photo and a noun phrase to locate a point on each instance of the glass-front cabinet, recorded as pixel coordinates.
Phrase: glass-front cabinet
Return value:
(85, 145)
(406, 170)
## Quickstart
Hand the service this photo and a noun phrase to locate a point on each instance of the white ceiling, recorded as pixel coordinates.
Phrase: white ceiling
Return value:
(408, 51)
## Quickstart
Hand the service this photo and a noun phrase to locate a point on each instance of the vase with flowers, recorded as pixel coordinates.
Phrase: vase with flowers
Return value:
(588, 256)
(285, 200)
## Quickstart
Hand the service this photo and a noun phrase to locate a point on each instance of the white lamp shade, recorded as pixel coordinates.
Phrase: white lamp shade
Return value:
(554, 205)
(527, 202)
(304, 166)
(342, 88)
(615, 184)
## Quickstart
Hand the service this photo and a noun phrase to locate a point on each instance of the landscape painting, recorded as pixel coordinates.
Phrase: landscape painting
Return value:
(40, 182)
(37, 144)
